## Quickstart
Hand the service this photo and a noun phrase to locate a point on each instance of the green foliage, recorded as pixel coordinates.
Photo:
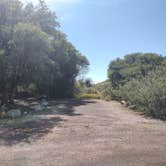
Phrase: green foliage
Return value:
(107, 91)
(87, 90)
(132, 66)
(149, 93)
(34, 52)
(139, 79)
(90, 96)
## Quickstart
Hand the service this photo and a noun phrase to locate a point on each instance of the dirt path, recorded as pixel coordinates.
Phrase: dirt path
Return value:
(97, 133)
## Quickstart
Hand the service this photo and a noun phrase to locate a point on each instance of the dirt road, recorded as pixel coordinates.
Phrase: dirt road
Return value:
(95, 133)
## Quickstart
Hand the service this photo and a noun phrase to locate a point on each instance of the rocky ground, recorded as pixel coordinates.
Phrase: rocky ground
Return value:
(85, 133)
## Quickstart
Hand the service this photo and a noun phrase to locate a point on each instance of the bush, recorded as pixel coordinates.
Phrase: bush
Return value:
(109, 93)
(90, 90)
(148, 93)
(136, 65)
(140, 80)
(106, 90)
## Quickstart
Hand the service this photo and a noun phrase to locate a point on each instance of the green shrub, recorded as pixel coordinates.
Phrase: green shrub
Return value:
(111, 94)
(107, 98)
(148, 93)
(136, 65)
(140, 80)
(90, 90)
(108, 92)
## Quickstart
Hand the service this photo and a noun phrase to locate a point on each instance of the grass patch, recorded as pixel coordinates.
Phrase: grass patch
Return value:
(90, 96)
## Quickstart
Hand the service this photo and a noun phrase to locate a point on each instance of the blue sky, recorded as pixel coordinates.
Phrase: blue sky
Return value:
(107, 29)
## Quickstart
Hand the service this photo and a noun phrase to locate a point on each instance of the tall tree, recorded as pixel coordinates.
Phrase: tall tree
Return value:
(34, 51)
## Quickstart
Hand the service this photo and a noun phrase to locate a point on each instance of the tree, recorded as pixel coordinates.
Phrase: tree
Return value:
(70, 63)
(30, 49)
(132, 66)
(88, 83)
(33, 51)
(41, 16)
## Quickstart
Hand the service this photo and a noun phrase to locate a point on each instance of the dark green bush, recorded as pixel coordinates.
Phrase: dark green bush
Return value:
(136, 65)
(148, 93)
(107, 91)
(140, 80)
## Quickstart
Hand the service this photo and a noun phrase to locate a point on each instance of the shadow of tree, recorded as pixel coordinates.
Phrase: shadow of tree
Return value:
(39, 126)
(69, 105)
(74, 102)
(57, 107)
(28, 131)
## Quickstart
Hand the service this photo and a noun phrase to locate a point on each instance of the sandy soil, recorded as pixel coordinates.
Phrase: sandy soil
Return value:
(95, 133)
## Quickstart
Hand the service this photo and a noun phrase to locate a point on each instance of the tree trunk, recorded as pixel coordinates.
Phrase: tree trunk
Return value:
(11, 99)
(5, 97)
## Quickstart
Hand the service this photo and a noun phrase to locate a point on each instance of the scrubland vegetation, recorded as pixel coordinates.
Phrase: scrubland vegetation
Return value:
(86, 90)
(140, 80)
(36, 59)
(51, 114)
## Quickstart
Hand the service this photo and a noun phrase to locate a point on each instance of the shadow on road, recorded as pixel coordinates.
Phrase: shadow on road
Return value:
(28, 131)
(40, 124)
(70, 104)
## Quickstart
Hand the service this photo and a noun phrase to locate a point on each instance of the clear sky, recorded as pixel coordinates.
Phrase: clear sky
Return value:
(106, 29)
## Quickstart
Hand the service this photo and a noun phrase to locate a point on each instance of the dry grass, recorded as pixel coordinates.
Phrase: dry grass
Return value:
(90, 96)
